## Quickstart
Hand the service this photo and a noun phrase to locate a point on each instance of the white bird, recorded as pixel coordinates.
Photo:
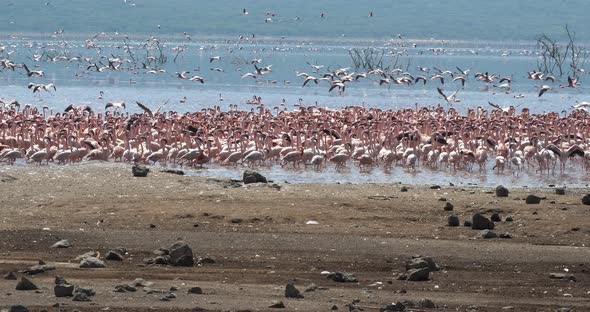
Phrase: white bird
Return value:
(544, 88)
(451, 98)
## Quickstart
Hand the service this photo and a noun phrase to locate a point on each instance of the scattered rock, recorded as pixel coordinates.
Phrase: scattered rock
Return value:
(292, 292)
(435, 187)
(586, 199)
(195, 290)
(533, 199)
(60, 280)
(86, 255)
(563, 276)
(403, 189)
(139, 171)
(487, 234)
(64, 243)
(392, 307)
(509, 219)
(181, 254)
(9, 276)
(114, 255)
(140, 282)
(425, 304)
(453, 220)
(467, 223)
(560, 191)
(277, 304)
(18, 308)
(178, 172)
(481, 223)
(418, 274)
(251, 176)
(448, 206)
(442, 199)
(92, 263)
(506, 235)
(26, 284)
(236, 220)
(496, 217)
(38, 269)
(419, 262)
(502, 191)
(205, 260)
(334, 308)
(124, 288)
(342, 277)
(85, 290)
(311, 287)
(63, 290)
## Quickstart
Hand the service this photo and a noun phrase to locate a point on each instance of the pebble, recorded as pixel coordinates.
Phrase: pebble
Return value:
(453, 220)
(64, 243)
(277, 304)
(26, 284)
(291, 291)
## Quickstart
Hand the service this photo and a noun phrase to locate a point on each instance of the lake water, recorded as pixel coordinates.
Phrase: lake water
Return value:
(482, 36)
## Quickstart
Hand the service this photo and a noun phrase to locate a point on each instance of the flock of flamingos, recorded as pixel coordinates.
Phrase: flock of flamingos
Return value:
(312, 137)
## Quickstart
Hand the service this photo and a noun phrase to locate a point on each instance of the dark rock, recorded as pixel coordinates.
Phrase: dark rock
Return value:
(80, 297)
(481, 223)
(533, 199)
(181, 254)
(496, 217)
(277, 304)
(178, 172)
(18, 308)
(139, 171)
(506, 235)
(560, 191)
(425, 304)
(25, 284)
(92, 263)
(342, 277)
(453, 220)
(251, 176)
(448, 206)
(63, 290)
(86, 255)
(509, 219)
(152, 226)
(334, 308)
(114, 256)
(124, 288)
(403, 189)
(292, 292)
(418, 274)
(195, 290)
(64, 243)
(487, 234)
(467, 223)
(205, 260)
(10, 276)
(563, 276)
(38, 269)
(392, 307)
(501, 191)
(236, 220)
(435, 187)
(586, 199)
(419, 262)
(442, 199)
(140, 282)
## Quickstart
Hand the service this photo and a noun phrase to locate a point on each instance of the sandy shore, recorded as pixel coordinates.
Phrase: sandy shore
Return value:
(258, 237)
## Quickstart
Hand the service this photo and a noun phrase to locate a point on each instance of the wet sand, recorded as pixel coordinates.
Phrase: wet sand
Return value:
(258, 236)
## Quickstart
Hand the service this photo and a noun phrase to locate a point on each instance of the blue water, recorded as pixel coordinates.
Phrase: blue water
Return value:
(482, 36)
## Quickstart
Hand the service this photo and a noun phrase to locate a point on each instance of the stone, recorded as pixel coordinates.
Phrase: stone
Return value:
(425, 304)
(60, 280)
(419, 262)
(392, 307)
(9, 276)
(236, 220)
(292, 292)
(251, 176)
(505, 235)
(448, 206)
(509, 219)
(276, 304)
(418, 274)
(124, 288)
(560, 191)
(586, 199)
(26, 284)
(114, 255)
(195, 290)
(533, 199)
(311, 287)
(178, 172)
(18, 308)
(453, 220)
(403, 189)
(139, 171)
(480, 222)
(435, 187)
(487, 234)
(64, 243)
(80, 297)
(496, 217)
(502, 191)
(467, 223)
(85, 290)
(342, 277)
(181, 254)
(38, 269)
(63, 290)
(92, 263)
(563, 276)
(334, 307)
(140, 282)
(205, 260)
